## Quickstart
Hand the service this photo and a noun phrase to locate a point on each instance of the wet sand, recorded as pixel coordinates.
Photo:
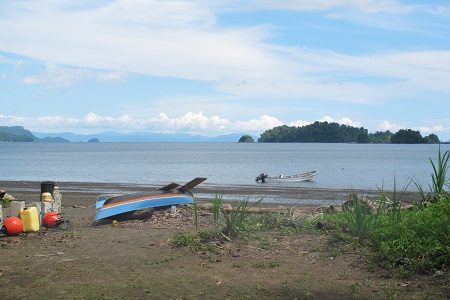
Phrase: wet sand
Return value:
(86, 193)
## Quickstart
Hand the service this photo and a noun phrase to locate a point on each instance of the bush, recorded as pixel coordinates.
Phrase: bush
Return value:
(415, 240)
(419, 242)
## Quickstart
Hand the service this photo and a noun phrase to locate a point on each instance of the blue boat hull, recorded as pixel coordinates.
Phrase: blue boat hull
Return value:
(102, 198)
(112, 207)
(171, 194)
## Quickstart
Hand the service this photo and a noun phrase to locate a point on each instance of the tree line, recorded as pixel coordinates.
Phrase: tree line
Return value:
(324, 132)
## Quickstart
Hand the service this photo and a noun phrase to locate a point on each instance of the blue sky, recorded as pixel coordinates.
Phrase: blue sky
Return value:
(219, 67)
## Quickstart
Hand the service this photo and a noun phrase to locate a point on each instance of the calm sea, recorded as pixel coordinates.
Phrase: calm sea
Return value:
(359, 166)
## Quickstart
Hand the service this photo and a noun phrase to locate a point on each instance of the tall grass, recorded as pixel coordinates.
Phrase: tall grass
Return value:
(234, 220)
(439, 176)
(439, 180)
(392, 207)
(362, 216)
(216, 205)
(195, 207)
(360, 222)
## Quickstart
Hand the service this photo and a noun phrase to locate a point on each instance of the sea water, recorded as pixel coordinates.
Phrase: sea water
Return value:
(359, 166)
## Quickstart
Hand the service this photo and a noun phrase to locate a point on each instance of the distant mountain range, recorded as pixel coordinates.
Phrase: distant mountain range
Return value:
(113, 136)
(20, 134)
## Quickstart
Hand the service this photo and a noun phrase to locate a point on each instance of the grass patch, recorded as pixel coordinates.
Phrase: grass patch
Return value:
(414, 240)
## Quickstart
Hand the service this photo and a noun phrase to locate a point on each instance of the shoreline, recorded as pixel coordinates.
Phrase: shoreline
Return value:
(86, 193)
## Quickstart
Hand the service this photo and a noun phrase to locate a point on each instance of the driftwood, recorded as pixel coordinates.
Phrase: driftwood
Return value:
(372, 206)
(5, 195)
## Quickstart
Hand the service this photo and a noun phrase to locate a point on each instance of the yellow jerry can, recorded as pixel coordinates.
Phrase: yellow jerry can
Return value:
(30, 219)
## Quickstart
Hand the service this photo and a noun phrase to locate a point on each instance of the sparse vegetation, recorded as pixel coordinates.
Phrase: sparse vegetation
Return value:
(234, 220)
(413, 240)
(5, 201)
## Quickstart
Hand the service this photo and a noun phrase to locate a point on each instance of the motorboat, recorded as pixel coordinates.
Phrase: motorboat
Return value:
(263, 177)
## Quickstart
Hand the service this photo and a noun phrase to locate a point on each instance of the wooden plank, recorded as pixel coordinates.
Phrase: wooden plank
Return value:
(169, 187)
(191, 184)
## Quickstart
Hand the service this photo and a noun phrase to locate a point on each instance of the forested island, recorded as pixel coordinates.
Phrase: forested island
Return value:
(324, 132)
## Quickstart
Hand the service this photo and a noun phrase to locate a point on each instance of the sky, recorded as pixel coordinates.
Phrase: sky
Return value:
(213, 67)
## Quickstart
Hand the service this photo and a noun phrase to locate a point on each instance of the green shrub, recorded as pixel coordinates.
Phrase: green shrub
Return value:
(420, 242)
(5, 202)
(416, 240)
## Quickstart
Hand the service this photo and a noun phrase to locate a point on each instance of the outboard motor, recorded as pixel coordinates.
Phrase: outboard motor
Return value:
(262, 177)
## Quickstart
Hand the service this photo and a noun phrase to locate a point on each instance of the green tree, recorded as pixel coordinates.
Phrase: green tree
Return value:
(318, 132)
(363, 138)
(380, 137)
(407, 136)
(431, 139)
(246, 139)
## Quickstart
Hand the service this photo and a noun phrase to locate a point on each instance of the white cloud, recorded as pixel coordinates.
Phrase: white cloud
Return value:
(442, 9)
(434, 129)
(59, 77)
(344, 121)
(386, 125)
(441, 131)
(135, 37)
(264, 122)
(365, 6)
(182, 39)
(193, 123)
(11, 120)
(300, 123)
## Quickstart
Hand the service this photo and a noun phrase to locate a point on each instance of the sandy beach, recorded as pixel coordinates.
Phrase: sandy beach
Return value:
(82, 259)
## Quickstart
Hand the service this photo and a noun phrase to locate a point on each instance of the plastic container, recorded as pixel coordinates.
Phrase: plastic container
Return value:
(46, 197)
(30, 219)
(57, 197)
(47, 186)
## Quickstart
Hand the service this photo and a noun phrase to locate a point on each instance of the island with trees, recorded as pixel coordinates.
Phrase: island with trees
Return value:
(324, 132)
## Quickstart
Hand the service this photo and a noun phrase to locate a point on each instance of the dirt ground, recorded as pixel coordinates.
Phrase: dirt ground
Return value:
(138, 259)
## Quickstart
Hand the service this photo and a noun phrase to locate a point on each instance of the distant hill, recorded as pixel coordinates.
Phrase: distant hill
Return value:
(16, 134)
(141, 137)
(20, 134)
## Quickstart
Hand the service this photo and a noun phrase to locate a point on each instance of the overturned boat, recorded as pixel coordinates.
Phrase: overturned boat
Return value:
(263, 177)
(172, 194)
